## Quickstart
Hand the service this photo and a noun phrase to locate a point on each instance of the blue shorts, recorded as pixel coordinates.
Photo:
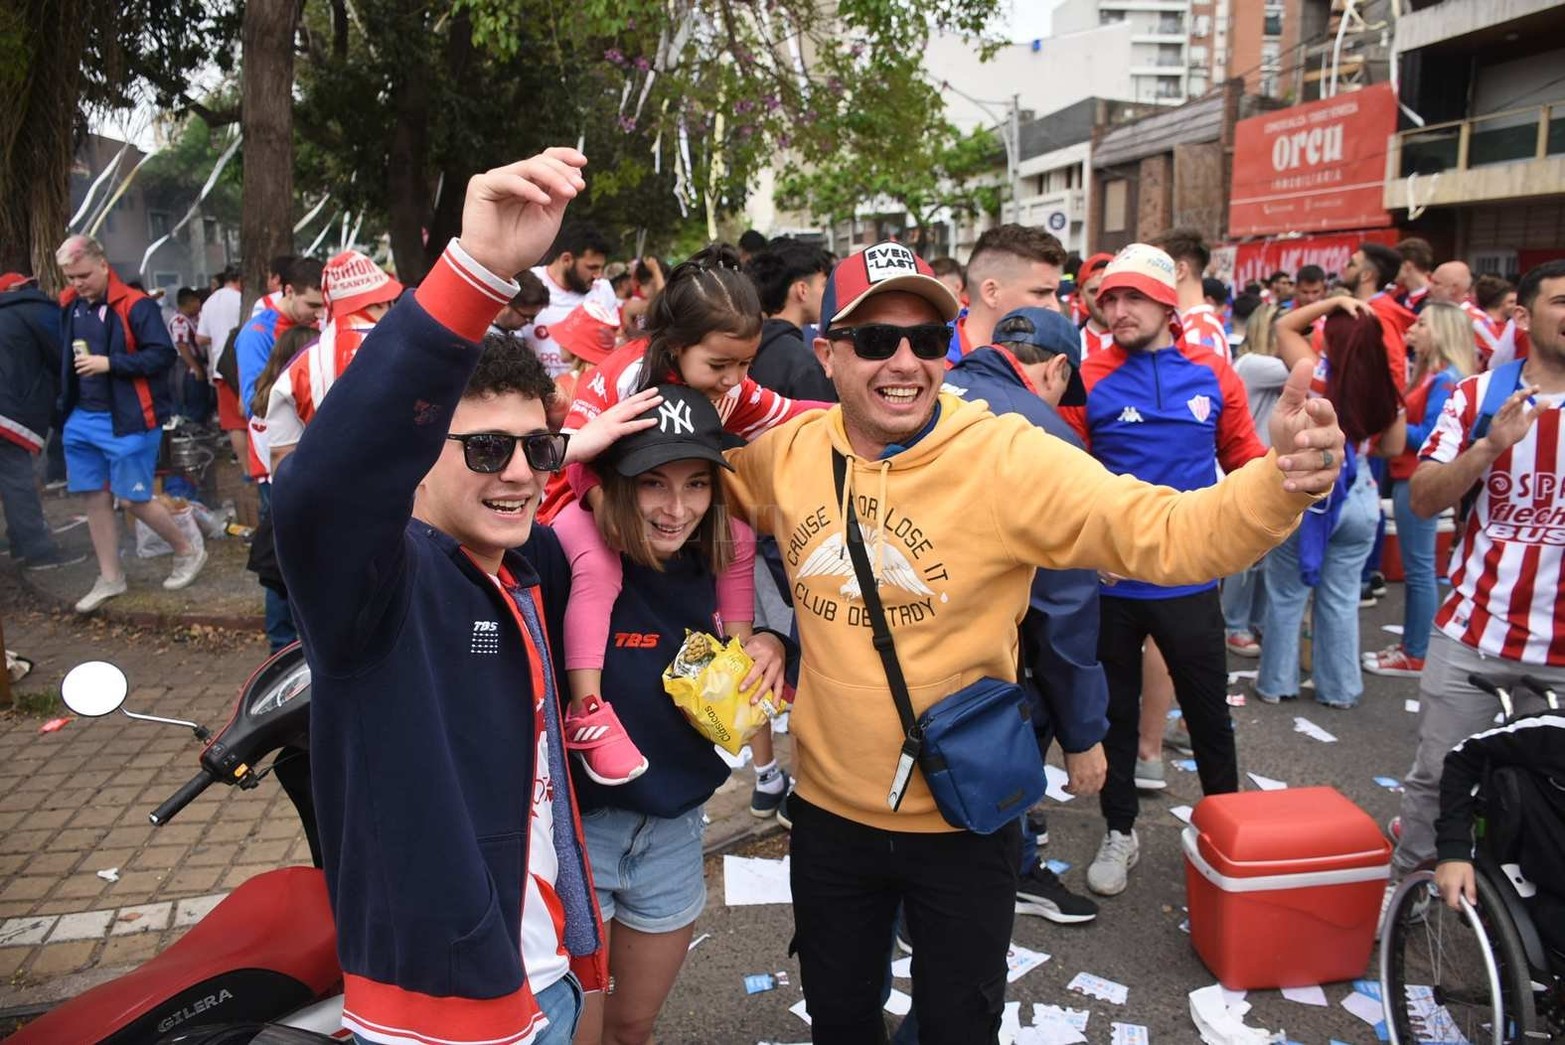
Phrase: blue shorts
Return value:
(97, 459)
(647, 869)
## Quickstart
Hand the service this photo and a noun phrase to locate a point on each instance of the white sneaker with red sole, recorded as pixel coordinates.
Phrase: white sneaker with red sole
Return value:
(599, 739)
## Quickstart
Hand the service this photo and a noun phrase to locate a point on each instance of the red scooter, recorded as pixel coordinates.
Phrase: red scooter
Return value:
(262, 966)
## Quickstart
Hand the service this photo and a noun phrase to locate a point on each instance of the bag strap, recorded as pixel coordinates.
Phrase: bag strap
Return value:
(1502, 383)
(913, 737)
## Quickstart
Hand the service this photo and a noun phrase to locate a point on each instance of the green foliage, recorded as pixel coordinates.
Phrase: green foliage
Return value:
(154, 46)
(176, 173)
(678, 104)
(896, 145)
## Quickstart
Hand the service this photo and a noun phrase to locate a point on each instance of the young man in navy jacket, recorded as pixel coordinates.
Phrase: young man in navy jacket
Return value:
(452, 844)
(1034, 367)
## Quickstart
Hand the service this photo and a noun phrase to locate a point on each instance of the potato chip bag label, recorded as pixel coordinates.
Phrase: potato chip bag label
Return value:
(703, 681)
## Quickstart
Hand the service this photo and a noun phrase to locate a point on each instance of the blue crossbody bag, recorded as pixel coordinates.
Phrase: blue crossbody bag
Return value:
(977, 747)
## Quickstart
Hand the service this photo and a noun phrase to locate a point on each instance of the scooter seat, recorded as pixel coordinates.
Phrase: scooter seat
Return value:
(270, 947)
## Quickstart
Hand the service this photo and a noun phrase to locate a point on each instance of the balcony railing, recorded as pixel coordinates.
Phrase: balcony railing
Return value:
(1502, 137)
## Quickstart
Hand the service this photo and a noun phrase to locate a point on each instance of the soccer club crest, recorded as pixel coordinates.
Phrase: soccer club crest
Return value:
(1200, 407)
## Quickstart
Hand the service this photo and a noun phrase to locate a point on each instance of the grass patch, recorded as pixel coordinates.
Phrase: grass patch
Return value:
(37, 703)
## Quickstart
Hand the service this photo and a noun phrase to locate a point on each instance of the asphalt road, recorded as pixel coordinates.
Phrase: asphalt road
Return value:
(1137, 940)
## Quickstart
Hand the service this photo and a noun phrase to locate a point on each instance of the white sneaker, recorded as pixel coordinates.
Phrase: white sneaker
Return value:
(185, 569)
(1150, 775)
(103, 590)
(1110, 869)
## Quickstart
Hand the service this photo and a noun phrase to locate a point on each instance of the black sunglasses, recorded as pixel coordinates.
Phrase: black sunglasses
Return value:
(489, 452)
(881, 340)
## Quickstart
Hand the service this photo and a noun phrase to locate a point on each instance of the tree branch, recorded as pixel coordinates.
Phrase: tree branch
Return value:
(213, 118)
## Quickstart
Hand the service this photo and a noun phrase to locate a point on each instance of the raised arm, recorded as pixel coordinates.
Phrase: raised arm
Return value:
(343, 499)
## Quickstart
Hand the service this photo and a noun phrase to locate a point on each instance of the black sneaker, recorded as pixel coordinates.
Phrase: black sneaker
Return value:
(55, 561)
(1377, 584)
(1038, 827)
(1041, 892)
(782, 810)
(764, 804)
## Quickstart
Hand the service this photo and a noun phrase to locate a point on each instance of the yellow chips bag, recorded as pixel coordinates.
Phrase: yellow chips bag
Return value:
(704, 682)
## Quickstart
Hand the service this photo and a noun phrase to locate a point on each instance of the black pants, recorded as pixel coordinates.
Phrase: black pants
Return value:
(959, 890)
(1189, 632)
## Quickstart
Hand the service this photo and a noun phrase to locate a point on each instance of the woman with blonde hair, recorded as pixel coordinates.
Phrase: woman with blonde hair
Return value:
(1256, 363)
(1443, 340)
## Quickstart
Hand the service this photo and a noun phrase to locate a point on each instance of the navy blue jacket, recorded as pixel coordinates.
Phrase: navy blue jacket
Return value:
(425, 679)
(1060, 630)
(683, 768)
(786, 365)
(139, 359)
(29, 366)
(1168, 417)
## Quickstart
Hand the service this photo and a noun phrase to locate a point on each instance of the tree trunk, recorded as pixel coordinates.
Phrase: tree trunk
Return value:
(266, 221)
(407, 190)
(446, 219)
(38, 133)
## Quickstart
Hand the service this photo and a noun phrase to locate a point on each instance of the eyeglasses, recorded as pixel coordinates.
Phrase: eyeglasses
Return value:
(489, 452)
(881, 340)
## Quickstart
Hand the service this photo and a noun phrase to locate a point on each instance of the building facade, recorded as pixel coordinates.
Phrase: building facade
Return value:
(1484, 178)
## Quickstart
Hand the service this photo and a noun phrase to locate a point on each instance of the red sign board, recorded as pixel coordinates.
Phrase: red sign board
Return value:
(1254, 262)
(1313, 167)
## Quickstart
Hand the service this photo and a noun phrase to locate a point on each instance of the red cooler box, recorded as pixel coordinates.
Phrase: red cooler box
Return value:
(1284, 886)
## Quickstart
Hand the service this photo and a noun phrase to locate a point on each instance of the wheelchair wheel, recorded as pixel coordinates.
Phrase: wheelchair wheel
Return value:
(1451, 976)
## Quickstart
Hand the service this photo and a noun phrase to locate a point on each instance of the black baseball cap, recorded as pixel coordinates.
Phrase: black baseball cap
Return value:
(1046, 329)
(687, 427)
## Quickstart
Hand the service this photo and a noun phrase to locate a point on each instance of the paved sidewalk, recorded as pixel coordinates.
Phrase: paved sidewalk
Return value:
(224, 595)
(74, 803)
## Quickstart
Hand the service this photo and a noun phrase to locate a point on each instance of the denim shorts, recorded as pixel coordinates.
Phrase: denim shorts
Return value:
(647, 869)
(97, 459)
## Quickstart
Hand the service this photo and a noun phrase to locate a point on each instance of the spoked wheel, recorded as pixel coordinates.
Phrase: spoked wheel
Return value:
(1453, 976)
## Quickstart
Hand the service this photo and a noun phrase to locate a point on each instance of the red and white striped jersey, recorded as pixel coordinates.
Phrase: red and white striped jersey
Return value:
(746, 410)
(307, 378)
(1094, 341)
(1204, 329)
(1486, 333)
(1509, 560)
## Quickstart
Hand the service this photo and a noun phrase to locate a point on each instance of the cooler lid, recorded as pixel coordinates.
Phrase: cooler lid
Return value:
(1292, 831)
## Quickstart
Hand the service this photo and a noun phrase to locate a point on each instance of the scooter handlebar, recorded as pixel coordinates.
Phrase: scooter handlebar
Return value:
(181, 798)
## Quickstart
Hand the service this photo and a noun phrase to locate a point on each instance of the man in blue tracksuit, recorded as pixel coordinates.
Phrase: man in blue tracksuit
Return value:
(451, 840)
(1170, 413)
(1033, 368)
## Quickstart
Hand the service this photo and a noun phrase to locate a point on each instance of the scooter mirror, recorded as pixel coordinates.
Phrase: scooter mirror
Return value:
(94, 689)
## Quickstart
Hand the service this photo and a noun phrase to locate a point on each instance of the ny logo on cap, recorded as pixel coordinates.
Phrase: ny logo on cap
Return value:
(887, 260)
(674, 419)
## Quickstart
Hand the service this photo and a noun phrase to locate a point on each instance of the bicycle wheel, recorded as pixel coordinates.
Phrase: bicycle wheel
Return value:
(1452, 976)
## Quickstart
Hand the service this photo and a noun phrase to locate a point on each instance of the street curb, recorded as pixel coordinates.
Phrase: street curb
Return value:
(738, 833)
(144, 618)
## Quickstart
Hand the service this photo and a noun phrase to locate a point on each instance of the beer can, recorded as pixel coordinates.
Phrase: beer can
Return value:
(79, 348)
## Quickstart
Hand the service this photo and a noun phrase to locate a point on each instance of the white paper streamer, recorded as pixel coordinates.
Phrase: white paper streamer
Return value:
(97, 183)
(195, 208)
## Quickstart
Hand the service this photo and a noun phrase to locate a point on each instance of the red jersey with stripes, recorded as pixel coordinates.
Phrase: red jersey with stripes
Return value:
(1509, 559)
(1094, 341)
(302, 385)
(1486, 333)
(1203, 329)
(746, 410)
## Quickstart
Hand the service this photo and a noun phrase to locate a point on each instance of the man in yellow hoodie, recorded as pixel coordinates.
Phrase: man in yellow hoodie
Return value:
(958, 508)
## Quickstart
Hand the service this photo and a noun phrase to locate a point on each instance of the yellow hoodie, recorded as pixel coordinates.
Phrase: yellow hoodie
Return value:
(955, 526)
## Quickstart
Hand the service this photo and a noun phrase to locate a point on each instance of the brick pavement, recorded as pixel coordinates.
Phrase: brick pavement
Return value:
(75, 802)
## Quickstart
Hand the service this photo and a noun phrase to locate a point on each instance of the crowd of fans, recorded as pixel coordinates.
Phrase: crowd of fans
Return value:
(675, 425)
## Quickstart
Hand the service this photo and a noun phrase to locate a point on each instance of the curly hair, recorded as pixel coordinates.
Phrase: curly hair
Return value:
(506, 366)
